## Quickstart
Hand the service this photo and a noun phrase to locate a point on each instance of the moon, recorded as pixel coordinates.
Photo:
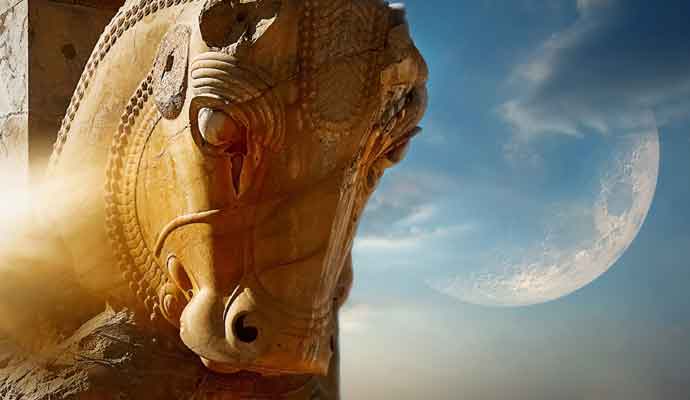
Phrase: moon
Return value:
(563, 262)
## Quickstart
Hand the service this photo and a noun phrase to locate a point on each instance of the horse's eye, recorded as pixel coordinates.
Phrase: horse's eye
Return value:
(219, 129)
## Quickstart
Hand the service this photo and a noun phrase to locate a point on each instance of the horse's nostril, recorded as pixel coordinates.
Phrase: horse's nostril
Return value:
(245, 333)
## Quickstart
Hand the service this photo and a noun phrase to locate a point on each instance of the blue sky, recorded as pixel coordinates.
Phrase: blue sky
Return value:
(529, 102)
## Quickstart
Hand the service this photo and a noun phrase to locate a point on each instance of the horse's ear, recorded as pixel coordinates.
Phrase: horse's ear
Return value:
(403, 64)
(170, 72)
(398, 15)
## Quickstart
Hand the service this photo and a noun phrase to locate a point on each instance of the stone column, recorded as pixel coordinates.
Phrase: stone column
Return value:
(62, 34)
(44, 45)
(14, 150)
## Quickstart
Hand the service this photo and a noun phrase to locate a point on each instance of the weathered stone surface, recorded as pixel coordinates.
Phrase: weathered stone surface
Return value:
(102, 4)
(14, 90)
(63, 35)
(42, 55)
(112, 358)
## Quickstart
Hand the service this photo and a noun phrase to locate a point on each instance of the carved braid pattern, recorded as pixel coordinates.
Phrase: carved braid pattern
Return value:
(137, 263)
(340, 57)
(123, 21)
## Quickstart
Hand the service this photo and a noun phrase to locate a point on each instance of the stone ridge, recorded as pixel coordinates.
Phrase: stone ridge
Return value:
(112, 358)
(14, 152)
(104, 4)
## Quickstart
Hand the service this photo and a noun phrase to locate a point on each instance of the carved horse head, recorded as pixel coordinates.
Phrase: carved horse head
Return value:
(242, 163)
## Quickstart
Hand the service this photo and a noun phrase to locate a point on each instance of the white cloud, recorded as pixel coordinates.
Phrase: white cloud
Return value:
(415, 238)
(527, 122)
(420, 214)
(406, 200)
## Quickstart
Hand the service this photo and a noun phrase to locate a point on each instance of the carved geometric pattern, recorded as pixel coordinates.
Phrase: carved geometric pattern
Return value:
(170, 71)
(136, 261)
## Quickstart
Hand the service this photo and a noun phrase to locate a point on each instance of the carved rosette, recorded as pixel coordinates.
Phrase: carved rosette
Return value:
(341, 43)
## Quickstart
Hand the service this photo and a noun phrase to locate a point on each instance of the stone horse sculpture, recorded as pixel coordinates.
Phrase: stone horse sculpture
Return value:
(225, 150)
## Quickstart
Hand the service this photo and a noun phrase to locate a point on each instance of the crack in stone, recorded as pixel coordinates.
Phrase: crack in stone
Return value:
(4, 137)
(96, 4)
(10, 8)
(12, 114)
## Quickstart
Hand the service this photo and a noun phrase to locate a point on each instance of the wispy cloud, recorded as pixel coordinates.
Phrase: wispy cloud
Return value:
(355, 318)
(415, 238)
(620, 65)
(420, 214)
(407, 213)
(406, 199)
